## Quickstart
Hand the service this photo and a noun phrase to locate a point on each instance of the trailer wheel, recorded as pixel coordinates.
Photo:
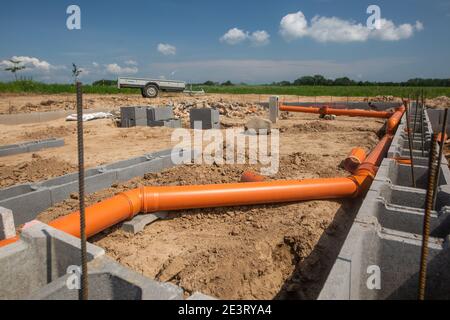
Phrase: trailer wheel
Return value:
(151, 91)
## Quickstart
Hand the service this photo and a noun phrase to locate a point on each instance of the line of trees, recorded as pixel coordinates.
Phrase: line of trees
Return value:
(319, 80)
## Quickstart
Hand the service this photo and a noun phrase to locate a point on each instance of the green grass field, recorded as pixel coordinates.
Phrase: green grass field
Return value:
(338, 91)
(342, 91)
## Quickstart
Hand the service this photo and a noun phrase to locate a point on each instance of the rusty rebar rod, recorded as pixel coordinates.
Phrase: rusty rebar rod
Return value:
(427, 218)
(408, 128)
(441, 151)
(84, 272)
(415, 116)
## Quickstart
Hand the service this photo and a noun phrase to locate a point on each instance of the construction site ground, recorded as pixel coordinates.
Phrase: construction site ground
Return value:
(257, 252)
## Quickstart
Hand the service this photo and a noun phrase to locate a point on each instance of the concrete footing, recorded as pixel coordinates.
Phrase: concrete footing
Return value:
(31, 146)
(381, 256)
(138, 223)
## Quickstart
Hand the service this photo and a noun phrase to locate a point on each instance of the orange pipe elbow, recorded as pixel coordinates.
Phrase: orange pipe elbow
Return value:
(354, 159)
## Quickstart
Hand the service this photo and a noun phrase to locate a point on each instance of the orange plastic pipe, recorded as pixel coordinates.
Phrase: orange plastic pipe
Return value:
(124, 206)
(339, 112)
(394, 120)
(439, 137)
(6, 242)
(402, 160)
(249, 176)
(354, 159)
(299, 109)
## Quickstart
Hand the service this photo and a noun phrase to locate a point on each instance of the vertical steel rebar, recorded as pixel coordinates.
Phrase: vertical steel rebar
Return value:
(408, 128)
(427, 218)
(422, 124)
(439, 161)
(415, 116)
(84, 272)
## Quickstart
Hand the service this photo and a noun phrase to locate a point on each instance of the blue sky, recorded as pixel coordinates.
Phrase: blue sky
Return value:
(252, 41)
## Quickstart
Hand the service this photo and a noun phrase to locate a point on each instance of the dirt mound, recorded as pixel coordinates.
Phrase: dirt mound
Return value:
(37, 170)
(439, 102)
(49, 132)
(310, 127)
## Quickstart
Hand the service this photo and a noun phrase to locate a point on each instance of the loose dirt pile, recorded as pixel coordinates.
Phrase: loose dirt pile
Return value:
(439, 102)
(49, 132)
(38, 169)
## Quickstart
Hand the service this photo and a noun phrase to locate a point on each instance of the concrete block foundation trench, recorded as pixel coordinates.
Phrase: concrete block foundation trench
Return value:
(304, 250)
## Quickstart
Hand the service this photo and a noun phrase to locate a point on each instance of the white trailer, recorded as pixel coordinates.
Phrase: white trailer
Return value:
(150, 88)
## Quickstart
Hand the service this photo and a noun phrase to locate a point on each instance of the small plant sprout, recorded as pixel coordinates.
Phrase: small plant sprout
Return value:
(15, 67)
(76, 71)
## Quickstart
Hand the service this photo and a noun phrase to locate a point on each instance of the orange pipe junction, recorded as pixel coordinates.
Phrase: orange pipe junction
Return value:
(128, 204)
(354, 159)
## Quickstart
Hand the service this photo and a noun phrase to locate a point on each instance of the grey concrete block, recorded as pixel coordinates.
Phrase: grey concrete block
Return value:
(41, 256)
(27, 206)
(110, 281)
(7, 227)
(159, 113)
(138, 223)
(171, 123)
(32, 146)
(204, 119)
(133, 116)
(396, 255)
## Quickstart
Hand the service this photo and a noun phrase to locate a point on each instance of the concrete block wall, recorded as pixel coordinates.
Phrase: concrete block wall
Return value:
(40, 266)
(28, 200)
(148, 116)
(31, 146)
(384, 242)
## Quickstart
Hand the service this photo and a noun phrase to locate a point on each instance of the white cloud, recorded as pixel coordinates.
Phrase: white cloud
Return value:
(31, 63)
(293, 26)
(333, 29)
(234, 36)
(260, 38)
(114, 68)
(419, 26)
(324, 29)
(167, 49)
(95, 64)
(131, 63)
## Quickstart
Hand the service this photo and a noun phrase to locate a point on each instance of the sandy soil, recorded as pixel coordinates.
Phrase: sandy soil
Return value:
(259, 252)
(256, 252)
